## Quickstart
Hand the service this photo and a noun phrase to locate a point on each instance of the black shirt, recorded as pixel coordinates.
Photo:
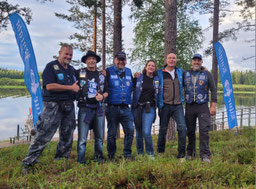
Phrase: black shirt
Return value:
(147, 93)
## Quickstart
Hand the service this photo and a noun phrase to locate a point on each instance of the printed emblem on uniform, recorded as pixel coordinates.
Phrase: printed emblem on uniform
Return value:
(138, 84)
(128, 77)
(199, 96)
(101, 77)
(60, 76)
(116, 83)
(157, 84)
(113, 76)
(187, 74)
(128, 83)
(202, 77)
(92, 88)
(82, 83)
(187, 97)
(200, 82)
(82, 74)
(56, 67)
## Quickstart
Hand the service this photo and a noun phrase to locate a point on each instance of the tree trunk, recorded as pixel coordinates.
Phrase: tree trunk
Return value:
(214, 58)
(103, 49)
(94, 47)
(103, 35)
(117, 26)
(117, 35)
(170, 47)
(170, 27)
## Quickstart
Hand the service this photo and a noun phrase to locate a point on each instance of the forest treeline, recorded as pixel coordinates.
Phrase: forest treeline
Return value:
(238, 77)
(13, 74)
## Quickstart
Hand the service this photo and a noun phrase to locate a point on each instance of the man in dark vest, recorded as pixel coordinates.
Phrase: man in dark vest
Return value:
(120, 85)
(59, 86)
(197, 82)
(93, 91)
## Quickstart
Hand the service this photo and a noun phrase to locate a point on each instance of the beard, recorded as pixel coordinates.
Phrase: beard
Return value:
(196, 68)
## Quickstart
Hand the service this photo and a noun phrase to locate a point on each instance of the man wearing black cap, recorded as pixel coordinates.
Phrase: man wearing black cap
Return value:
(93, 91)
(120, 85)
(197, 83)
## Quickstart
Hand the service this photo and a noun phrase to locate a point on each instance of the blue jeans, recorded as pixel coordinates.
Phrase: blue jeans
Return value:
(144, 130)
(83, 129)
(176, 111)
(116, 115)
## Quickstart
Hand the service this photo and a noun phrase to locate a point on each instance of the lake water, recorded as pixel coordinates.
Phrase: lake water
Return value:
(15, 104)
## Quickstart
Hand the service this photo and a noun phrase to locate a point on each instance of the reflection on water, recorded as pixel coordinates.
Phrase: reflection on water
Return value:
(15, 103)
(13, 93)
(240, 100)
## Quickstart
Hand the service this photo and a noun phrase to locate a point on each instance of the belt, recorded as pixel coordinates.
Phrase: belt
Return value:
(119, 105)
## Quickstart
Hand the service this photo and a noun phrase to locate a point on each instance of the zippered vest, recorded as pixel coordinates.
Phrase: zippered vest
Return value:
(62, 79)
(138, 89)
(198, 92)
(84, 84)
(120, 89)
(161, 86)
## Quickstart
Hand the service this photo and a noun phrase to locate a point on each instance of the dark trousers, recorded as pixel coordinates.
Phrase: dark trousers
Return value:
(116, 115)
(49, 121)
(176, 111)
(200, 111)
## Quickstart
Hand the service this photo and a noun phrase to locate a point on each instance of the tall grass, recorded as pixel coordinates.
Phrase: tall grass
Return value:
(232, 166)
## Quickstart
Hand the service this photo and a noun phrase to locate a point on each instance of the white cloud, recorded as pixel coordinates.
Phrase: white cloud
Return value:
(47, 31)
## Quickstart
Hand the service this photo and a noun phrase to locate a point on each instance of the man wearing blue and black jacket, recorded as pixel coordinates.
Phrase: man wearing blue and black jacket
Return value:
(170, 103)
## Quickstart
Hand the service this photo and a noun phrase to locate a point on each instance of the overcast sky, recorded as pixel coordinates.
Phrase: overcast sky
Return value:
(47, 31)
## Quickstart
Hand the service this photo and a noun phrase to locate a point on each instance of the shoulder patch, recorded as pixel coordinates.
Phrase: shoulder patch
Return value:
(56, 67)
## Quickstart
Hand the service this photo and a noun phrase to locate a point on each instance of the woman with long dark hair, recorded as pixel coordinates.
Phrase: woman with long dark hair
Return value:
(144, 107)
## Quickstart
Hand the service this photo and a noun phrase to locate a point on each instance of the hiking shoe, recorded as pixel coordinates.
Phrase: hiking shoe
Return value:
(182, 160)
(206, 159)
(180, 156)
(151, 157)
(111, 158)
(188, 157)
(26, 170)
(128, 158)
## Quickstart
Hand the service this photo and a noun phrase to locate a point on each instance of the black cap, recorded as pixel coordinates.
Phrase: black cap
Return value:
(199, 56)
(121, 56)
(90, 53)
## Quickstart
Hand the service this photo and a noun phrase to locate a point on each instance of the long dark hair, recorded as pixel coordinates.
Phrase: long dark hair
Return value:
(144, 69)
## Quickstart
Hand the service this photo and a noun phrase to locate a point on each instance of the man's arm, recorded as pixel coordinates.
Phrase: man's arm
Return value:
(59, 88)
(213, 90)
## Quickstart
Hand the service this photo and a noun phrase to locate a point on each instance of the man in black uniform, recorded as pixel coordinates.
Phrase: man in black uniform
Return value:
(197, 83)
(59, 86)
(92, 92)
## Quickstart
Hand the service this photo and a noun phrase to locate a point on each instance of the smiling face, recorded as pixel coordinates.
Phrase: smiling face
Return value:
(120, 63)
(91, 63)
(65, 56)
(196, 64)
(171, 61)
(150, 67)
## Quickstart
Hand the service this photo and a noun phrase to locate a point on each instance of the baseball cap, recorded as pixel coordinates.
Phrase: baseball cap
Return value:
(121, 56)
(199, 56)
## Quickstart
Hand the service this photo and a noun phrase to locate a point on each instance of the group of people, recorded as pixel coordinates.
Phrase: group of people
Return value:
(131, 101)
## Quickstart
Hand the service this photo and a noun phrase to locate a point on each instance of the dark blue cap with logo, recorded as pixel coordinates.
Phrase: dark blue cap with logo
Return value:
(121, 56)
(199, 56)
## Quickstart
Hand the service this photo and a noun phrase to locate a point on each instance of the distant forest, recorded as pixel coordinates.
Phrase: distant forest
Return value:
(238, 77)
(13, 74)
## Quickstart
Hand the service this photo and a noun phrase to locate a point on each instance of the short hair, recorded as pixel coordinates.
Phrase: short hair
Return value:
(66, 46)
(144, 69)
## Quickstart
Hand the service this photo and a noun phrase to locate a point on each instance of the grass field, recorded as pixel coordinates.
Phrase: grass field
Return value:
(232, 166)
